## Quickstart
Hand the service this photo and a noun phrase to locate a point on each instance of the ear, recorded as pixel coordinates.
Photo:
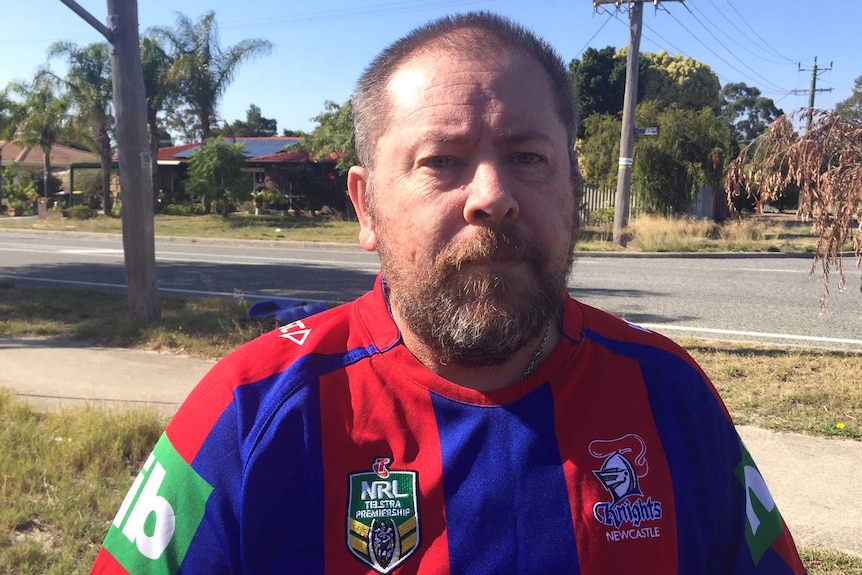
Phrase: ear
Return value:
(357, 186)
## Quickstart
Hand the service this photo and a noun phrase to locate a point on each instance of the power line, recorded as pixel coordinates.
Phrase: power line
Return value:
(765, 43)
(729, 51)
(594, 35)
(711, 51)
(758, 54)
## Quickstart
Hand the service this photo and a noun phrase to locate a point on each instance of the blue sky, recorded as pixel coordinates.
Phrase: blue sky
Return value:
(321, 48)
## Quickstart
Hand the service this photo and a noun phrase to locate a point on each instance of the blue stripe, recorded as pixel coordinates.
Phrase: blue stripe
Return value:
(265, 454)
(507, 505)
(701, 448)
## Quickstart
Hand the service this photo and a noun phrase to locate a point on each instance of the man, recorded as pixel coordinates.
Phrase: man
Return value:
(465, 416)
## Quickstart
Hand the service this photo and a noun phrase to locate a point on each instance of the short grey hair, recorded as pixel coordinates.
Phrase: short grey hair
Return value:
(477, 33)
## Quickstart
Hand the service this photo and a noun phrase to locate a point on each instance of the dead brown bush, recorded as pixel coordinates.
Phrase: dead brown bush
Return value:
(825, 164)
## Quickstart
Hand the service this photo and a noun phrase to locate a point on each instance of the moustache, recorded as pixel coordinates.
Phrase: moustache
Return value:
(490, 245)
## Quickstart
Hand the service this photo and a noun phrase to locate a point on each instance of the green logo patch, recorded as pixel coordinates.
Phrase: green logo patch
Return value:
(161, 513)
(763, 521)
(382, 521)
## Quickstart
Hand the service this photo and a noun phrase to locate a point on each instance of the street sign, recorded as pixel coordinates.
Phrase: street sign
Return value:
(646, 131)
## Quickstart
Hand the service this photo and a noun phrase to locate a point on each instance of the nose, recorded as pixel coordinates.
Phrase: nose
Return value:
(489, 200)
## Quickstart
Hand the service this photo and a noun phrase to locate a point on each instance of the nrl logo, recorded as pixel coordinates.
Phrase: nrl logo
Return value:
(382, 521)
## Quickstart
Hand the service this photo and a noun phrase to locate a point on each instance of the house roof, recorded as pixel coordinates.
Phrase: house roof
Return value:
(271, 149)
(32, 156)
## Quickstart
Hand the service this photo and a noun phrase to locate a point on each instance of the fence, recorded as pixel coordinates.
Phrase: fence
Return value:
(595, 198)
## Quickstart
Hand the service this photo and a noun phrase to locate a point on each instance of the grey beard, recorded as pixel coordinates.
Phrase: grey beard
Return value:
(465, 320)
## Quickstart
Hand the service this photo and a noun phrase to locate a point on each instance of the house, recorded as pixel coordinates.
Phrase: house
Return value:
(301, 182)
(31, 159)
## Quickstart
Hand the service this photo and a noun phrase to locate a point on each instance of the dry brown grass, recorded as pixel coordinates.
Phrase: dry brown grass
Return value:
(809, 391)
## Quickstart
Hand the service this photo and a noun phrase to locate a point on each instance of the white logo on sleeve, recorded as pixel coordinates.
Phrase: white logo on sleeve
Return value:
(295, 332)
(149, 502)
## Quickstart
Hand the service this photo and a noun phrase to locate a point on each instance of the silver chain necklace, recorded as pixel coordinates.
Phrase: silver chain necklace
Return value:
(538, 353)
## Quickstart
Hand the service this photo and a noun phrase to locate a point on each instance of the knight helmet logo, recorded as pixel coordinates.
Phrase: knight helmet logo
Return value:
(383, 522)
(624, 464)
(618, 474)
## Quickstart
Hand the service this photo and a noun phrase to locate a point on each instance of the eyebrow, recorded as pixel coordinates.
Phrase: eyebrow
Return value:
(514, 137)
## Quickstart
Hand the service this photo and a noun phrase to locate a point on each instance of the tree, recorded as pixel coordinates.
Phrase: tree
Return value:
(334, 135)
(851, 108)
(690, 152)
(598, 152)
(748, 113)
(255, 126)
(9, 111)
(89, 87)
(156, 66)
(215, 173)
(679, 81)
(600, 78)
(825, 164)
(43, 119)
(201, 69)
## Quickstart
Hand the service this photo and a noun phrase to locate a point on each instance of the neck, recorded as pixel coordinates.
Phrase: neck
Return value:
(487, 378)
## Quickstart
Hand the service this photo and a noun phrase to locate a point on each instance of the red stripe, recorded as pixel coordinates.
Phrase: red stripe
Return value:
(106, 564)
(786, 549)
(198, 414)
(368, 415)
(257, 360)
(589, 409)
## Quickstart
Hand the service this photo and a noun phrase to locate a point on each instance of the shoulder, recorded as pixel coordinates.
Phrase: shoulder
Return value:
(667, 368)
(260, 377)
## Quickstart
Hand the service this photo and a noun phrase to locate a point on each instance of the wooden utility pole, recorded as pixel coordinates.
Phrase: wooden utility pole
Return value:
(130, 110)
(622, 199)
(814, 89)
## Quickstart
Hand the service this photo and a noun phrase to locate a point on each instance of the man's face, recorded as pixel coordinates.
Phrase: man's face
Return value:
(473, 211)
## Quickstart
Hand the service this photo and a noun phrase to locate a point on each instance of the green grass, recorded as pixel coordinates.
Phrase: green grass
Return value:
(235, 226)
(811, 391)
(64, 474)
(204, 327)
(821, 561)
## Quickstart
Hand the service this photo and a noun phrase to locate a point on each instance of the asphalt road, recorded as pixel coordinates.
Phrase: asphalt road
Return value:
(765, 298)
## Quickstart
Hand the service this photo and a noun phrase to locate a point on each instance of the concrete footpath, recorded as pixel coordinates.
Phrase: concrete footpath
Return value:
(815, 481)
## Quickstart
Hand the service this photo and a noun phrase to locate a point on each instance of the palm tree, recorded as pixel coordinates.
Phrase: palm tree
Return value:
(43, 120)
(89, 88)
(156, 64)
(201, 69)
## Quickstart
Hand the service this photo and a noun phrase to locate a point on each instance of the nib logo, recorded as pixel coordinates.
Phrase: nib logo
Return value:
(149, 503)
(160, 514)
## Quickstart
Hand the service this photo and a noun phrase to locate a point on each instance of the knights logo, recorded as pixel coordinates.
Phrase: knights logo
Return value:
(624, 464)
(383, 522)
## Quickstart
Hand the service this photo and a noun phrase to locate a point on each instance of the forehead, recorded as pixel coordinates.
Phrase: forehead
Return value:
(445, 86)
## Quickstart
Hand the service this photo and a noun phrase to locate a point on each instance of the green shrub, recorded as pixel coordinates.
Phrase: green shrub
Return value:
(602, 216)
(195, 209)
(80, 212)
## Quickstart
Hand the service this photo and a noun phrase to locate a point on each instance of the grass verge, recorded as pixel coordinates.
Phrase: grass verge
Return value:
(203, 327)
(810, 391)
(235, 226)
(65, 474)
(648, 234)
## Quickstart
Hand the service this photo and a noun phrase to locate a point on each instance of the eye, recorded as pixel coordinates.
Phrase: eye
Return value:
(439, 162)
(526, 158)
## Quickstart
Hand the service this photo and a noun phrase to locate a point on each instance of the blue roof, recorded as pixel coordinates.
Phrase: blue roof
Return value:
(254, 147)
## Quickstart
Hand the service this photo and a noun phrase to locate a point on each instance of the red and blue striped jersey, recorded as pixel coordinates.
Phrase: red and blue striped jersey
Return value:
(326, 447)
